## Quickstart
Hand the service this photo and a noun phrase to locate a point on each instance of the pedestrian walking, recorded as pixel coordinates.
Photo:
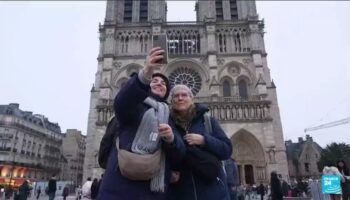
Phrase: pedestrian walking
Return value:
(24, 190)
(8, 192)
(38, 192)
(51, 190)
(345, 185)
(94, 189)
(285, 188)
(86, 189)
(65, 192)
(79, 192)
(276, 188)
(261, 191)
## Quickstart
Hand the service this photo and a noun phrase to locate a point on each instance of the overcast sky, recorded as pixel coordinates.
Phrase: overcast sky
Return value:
(48, 54)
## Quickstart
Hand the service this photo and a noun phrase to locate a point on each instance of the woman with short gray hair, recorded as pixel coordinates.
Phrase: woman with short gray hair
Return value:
(200, 174)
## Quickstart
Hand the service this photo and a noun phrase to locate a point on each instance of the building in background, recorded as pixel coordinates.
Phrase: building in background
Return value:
(30, 146)
(303, 157)
(73, 148)
(221, 56)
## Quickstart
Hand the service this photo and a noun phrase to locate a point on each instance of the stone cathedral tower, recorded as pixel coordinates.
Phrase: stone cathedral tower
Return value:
(221, 56)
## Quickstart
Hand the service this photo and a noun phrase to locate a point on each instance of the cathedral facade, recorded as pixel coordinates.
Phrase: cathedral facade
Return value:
(221, 56)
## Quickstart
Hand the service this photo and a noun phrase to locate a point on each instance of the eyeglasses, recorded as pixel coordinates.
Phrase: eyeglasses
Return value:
(182, 95)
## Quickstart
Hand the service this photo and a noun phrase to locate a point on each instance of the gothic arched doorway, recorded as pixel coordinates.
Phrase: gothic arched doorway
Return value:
(250, 158)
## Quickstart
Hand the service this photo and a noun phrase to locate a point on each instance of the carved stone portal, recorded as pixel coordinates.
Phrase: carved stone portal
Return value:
(250, 158)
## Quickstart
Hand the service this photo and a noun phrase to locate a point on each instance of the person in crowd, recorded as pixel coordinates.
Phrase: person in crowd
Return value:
(241, 192)
(285, 188)
(99, 182)
(79, 192)
(94, 188)
(232, 177)
(52, 187)
(315, 189)
(65, 192)
(345, 184)
(248, 191)
(189, 119)
(8, 192)
(38, 192)
(276, 189)
(301, 188)
(261, 191)
(24, 190)
(86, 189)
(143, 114)
(333, 171)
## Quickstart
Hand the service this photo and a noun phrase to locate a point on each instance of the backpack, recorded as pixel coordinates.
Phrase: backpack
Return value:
(107, 141)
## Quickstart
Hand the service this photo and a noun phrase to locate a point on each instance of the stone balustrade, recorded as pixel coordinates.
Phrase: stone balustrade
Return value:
(240, 111)
(224, 109)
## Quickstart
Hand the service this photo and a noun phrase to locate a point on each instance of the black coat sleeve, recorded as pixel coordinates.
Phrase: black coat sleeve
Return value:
(129, 99)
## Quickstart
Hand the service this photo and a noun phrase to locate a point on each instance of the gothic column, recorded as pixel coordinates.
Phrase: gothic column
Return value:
(242, 174)
(226, 9)
(111, 12)
(206, 10)
(136, 11)
(214, 86)
(110, 43)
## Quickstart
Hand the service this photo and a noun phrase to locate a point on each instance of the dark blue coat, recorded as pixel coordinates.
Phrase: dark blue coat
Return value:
(129, 109)
(189, 186)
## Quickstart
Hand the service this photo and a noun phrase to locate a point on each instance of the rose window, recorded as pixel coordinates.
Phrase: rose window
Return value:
(186, 76)
(234, 70)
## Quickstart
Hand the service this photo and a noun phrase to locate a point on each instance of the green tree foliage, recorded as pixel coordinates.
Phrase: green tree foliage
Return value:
(332, 153)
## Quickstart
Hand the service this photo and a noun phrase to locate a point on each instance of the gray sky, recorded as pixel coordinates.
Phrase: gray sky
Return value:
(48, 54)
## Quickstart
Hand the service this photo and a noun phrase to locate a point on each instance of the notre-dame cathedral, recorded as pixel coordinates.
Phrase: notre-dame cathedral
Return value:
(221, 56)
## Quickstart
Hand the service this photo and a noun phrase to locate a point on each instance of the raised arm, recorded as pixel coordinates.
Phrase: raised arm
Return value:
(135, 91)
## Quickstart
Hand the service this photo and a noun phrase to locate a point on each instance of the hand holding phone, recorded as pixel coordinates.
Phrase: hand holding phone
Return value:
(161, 41)
(154, 55)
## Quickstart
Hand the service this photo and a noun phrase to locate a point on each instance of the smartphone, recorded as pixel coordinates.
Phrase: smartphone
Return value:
(161, 41)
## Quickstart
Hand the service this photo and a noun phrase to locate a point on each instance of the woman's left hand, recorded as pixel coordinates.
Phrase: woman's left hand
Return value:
(166, 133)
(194, 139)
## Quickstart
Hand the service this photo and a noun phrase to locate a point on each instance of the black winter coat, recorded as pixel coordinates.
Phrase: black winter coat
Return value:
(129, 108)
(189, 186)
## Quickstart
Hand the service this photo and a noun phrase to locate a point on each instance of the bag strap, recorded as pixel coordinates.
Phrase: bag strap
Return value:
(207, 123)
(209, 129)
